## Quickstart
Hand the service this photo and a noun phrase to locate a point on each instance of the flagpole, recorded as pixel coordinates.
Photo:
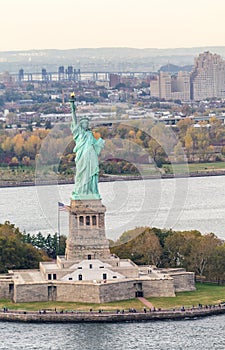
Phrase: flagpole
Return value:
(58, 228)
(61, 206)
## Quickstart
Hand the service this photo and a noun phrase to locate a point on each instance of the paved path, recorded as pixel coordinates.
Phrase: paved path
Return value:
(146, 302)
(112, 316)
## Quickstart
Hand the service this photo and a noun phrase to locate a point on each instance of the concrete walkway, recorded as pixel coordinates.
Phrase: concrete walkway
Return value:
(146, 302)
(111, 316)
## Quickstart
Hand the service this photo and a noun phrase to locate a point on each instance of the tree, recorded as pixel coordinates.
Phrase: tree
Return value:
(216, 267)
(18, 145)
(7, 145)
(202, 252)
(186, 109)
(14, 161)
(202, 143)
(129, 235)
(156, 152)
(179, 152)
(189, 144)
(26, 160)
(183, 125)
(150, 247)
(143, 249)
(30, 87)
(179, 246)
(32, 145)
(51, 245)
(48, 125)
(14, 252)
(174, 245)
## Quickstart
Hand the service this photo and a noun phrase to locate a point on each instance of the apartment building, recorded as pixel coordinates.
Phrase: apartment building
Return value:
(168, 87)
(208, 77)
(180, 86)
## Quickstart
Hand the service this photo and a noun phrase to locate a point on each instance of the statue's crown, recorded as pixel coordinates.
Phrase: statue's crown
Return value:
(84, 118)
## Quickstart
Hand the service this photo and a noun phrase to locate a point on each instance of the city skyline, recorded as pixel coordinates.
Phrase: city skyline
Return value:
(93, 23)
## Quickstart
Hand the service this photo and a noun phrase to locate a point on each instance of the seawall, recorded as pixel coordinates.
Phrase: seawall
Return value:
(111, 178)
(76, 317)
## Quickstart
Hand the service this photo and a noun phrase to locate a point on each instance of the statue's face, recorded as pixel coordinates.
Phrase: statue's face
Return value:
(84, 124)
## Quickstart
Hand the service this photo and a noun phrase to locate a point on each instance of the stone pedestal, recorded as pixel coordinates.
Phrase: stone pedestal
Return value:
(86, 239)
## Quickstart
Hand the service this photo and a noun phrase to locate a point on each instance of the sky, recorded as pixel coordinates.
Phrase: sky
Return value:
(71, 24)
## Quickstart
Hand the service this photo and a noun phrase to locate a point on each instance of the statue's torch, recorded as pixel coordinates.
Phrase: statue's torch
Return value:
(73, 107)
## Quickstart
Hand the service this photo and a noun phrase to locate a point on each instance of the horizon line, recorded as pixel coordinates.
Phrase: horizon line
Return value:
(115, 47)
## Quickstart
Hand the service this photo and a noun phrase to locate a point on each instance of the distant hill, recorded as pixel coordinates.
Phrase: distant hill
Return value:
(104, 59)
(173, 68)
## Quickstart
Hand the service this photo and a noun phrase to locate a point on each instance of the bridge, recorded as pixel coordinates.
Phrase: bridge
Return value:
(71, 74)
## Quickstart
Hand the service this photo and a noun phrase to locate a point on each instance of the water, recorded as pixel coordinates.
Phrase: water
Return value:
(206, 333)
(195, 203)
(181, 204)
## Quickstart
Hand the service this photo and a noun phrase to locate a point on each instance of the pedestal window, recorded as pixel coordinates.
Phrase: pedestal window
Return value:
(88, 221)
(81, 220)
(94, 220)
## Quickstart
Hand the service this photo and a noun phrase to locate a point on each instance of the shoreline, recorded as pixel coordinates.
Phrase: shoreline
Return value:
(111, 178)
(109, 316)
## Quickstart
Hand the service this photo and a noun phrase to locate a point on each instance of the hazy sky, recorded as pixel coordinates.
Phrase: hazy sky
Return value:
(66, 24)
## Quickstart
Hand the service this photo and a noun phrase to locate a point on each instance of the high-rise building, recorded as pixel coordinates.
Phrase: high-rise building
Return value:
(180, 86)
(161, 87)
(154, 87)
(114, 79)
(208, 77)
(171, 87)
(165, 85)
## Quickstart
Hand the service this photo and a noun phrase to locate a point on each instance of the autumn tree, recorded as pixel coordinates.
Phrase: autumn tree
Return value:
(32, 146)
(179, 152)
(183, 125)
(189, 145)
(18, 145)
(156, 152)
(7, 145)
(217, 130)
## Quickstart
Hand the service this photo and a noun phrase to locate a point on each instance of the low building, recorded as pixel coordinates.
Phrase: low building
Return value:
(89, 272)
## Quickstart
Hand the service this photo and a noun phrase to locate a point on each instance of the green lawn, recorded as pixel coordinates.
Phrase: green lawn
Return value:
(205, 294)
(150, 169)
(25, 173)
(16, 174)
(35, 306)
(194, 167)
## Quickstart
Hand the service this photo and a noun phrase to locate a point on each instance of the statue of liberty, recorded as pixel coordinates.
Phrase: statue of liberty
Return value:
(87, 149)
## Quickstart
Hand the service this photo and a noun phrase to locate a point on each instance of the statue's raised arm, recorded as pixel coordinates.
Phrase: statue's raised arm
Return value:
(73, 108)
(87, 150)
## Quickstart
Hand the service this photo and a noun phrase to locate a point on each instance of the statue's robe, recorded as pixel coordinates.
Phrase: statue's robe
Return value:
(87, 150)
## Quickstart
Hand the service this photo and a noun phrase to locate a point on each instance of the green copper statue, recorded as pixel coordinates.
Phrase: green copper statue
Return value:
(87, 149)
